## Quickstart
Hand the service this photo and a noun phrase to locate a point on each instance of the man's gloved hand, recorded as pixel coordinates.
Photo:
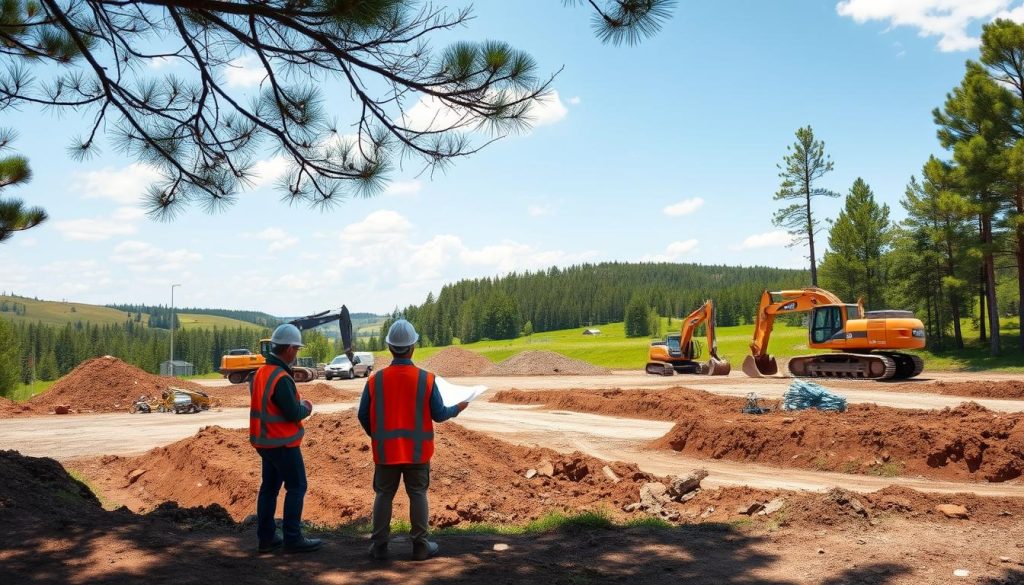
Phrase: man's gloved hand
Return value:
(462, 406)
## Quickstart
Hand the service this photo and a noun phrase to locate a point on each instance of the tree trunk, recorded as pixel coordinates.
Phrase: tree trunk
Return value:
(810, 238)
(981, 307)
(1020, 267)
(954, 298)
(990, 286)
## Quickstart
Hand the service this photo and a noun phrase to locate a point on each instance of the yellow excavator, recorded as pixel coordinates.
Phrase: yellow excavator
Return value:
(239, 365)
(678, 353)
(864, 344)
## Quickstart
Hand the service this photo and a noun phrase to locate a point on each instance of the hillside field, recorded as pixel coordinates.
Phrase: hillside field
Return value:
(612, 349)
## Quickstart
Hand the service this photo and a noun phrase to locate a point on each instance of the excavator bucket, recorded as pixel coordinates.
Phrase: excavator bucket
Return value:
(760, 366)
(718, 367)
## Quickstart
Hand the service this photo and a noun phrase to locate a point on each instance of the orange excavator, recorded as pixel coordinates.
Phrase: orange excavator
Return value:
(864, 344)
(678, 353)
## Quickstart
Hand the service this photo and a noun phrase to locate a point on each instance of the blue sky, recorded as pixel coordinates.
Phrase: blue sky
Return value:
(664, 151)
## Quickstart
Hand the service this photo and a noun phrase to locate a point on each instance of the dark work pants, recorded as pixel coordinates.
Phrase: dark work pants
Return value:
(385, 485)
(281, 465)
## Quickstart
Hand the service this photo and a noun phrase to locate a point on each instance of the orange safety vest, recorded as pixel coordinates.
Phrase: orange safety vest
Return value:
(267, 426)
(401, 428)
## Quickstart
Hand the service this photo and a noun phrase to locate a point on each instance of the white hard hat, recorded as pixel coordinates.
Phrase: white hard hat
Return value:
(286, 334)
(402, 334)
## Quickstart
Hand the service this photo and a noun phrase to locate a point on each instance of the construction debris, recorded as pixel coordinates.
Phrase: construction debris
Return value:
(803, 395)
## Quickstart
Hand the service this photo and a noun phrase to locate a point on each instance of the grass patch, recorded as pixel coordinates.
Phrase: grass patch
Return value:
(74, 500)
(821, 464)
(551, 522)
(852, 466)
(23, 392)
(888, 469)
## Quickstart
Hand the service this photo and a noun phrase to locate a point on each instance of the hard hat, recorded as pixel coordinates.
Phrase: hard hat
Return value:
(286, 334)
(402, 334)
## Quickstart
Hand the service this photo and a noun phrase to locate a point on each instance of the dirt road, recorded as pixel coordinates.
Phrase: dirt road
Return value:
(605, 437)
(856, 392)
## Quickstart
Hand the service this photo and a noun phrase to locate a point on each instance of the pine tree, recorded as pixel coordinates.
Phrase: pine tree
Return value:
(10, 367)
(803, 167)
(638, 317)
(14, 215)
(859, 239)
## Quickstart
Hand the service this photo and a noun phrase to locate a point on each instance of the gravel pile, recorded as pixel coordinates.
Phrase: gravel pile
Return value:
(544, 363)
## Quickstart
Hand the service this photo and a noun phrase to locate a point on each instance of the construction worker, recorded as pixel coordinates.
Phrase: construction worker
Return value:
(400, 403)
(276, 411)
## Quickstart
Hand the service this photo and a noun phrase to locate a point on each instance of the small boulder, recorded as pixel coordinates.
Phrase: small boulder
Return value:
(952, 511)
(500, 547)
(531, 473)
(607, 471)
(61, 409)
(750, 509)
(546, 468)
(680, 486)
(773, 507)
(135, 475)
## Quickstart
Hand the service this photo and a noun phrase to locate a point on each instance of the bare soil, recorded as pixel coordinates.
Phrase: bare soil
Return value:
(543, 363)
(1002, 389)
(103, 384)
(455, 361)
(963, 443)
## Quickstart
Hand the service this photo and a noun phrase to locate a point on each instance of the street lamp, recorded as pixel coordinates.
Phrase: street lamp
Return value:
(171, 364)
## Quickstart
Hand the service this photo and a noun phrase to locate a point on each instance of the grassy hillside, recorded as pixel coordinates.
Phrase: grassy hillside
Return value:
(59, 313)
(193, 321)
(612, 349)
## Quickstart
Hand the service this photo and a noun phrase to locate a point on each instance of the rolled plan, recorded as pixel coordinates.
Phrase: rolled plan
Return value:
(452, 394)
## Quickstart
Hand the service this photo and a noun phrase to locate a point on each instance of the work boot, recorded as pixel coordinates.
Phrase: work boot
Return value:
(269, 547)
(422, 551)
(304, 545)
(379, 552)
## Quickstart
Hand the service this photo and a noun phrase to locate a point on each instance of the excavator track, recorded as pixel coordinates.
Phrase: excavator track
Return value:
(907, 365)
(864, 366)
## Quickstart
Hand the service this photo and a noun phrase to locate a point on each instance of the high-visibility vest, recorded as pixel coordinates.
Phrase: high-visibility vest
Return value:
(401, 429)
(268, 428)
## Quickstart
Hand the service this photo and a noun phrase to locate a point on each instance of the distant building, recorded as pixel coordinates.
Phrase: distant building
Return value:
(591, 332)
(177, 368)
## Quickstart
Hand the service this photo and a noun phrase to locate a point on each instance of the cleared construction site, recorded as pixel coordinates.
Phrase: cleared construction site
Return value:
(561, 472)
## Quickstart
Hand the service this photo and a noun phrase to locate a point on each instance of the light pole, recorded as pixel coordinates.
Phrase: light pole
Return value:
(171, 364)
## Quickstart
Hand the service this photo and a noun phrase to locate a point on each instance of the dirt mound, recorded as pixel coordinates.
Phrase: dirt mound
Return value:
(963, 443)
(237, 395)
(40, 490)
(543, 363)
(104, 384)
(11, 408)
(1003, 389)
(455, 361)
(475, 478)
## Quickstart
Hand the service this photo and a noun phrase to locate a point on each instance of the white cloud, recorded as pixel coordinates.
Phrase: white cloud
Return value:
(145, 257)
(431, 114)
(404, 188)
(245, 71)
(159, 62)
(125, 185)
(684, 207)
(120, 223)
(278, 238)
(775, 239)
(268, 170)
(539, 210)
(575, 100)
(380, 227)
(270, 234)
(947, 19)
(674, 252)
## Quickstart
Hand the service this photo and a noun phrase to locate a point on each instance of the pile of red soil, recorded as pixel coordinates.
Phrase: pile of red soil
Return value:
(1003, 389)
(543, 363)
(968, 442)
(40, 490)
(475, 478)
(453, 362)
(237, 395)
(11, 408)
(104, 384)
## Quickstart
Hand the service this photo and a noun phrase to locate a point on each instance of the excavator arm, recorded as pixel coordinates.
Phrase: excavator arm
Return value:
(344, 324)
(773, 304)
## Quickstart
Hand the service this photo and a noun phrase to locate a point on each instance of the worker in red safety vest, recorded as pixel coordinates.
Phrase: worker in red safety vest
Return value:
(276, 411)
(400, 403)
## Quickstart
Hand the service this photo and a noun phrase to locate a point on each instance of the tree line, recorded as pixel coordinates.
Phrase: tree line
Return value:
(588, 294)
(160, 316)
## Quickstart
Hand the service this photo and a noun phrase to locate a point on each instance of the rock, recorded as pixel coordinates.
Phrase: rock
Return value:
(788, 420)
(1005, 513)
(679, 486)
(773, 506)
(500, 547)
(857, 507)
(546, 469)
(688, 497)
(631, 507)
(861, 541)
(885, 456)
(650, 496)
(574, 470)
(961, 573)
(952, 510)
(61, 409)
(708, 512)
(1004, 559)
(607, 471)
(750, 509)
(821, 551)
(531, 473)
(135, 475)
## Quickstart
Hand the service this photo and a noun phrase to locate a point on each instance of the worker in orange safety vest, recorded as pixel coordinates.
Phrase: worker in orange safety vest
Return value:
(276, 411)
(398, 408)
